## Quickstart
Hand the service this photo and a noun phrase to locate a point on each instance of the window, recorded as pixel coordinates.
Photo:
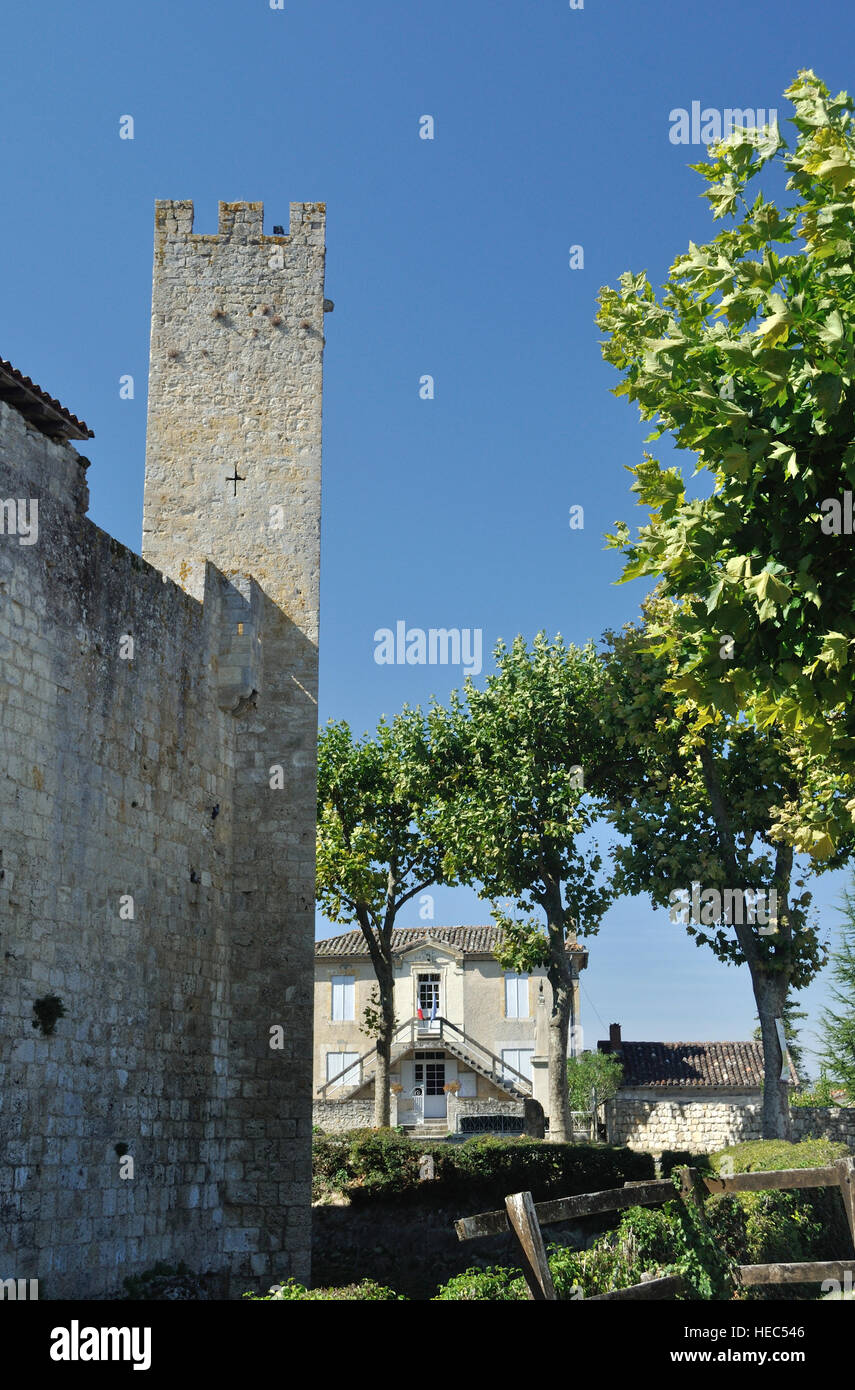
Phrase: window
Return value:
(428, 997)
(520, 1059)
(430, 1074)
(342, 998)
(516, 996)
(337, 1061)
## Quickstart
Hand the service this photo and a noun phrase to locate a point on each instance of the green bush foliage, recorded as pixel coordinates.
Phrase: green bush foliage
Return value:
(760, 1154)
(779, 1226)
(661, 1241)
(490, 1285)
(372, 1163)
(366, 1289)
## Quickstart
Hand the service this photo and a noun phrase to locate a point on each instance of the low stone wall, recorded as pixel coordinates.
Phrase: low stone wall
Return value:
(460, 1106)
(332, 1116)
(706, 1123)
(824, 1122)
(701, 1124)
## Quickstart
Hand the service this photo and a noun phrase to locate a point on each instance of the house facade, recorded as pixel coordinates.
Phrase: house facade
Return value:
(464, 1023)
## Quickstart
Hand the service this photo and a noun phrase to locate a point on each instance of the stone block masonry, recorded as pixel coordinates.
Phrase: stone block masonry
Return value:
(157, 802)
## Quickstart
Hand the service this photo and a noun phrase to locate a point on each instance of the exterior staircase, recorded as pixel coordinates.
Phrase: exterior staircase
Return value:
(452, 1040)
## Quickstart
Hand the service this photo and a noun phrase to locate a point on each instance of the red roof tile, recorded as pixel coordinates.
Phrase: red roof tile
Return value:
(36, 406)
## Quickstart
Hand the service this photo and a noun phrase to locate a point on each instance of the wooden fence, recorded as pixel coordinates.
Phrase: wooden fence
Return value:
(525, 1218)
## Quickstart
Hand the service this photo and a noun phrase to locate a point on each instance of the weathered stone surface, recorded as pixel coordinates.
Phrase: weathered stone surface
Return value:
(150, 777)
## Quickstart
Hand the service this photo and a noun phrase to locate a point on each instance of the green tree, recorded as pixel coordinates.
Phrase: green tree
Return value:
(837, 1036)
(375, 850)
(694, 795)
(513, 764)
(747, 358)
(600, 1071)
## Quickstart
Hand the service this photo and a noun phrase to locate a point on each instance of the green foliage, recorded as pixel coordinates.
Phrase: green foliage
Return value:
(670, 758)
(779, 1226)
(373, 816)
(761, 1155)
(367, 1289)
(837, 1029)
(493, 1284)
(821, 1093)
(514, 761)
(748, 360)
(600, 1070)
(371, 1163)
(668, 1240)
(672, 1159)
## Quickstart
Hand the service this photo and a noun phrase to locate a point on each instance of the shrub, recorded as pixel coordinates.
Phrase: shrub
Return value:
(381, 1163)
(493, 1284)
(760, 1154)
(779, 1226)
(670, 1240)
(366, 1289)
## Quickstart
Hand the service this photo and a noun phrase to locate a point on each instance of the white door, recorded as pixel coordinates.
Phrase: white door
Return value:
(430, 1076)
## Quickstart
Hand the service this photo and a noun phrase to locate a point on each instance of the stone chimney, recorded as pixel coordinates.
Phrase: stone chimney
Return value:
(614, 1037)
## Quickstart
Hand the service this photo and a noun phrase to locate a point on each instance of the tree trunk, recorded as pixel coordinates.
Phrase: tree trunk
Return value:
(560, 976)
(382, 1101)
(770, 993)
(770, 985)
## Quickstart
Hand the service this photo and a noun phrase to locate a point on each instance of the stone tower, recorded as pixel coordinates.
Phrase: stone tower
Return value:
(233, 463)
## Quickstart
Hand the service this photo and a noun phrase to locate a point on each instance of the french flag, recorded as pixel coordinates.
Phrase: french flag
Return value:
(420, 1015)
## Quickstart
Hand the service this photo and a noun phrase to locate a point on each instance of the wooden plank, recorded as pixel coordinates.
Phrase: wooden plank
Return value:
(775, 1179)
(495, 1223)
(521, 1214)
(845, 1168)
(667, 1287)
(811, 1272)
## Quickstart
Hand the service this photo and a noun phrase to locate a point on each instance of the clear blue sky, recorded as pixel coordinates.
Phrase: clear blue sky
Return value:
(447, 257)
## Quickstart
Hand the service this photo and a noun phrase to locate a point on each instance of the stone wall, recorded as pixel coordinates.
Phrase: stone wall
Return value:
(458, 1106)
(646, 1120)
(333, 1116)
(824, 1122)
(234, 424)
(157, 801)
(643, 1119)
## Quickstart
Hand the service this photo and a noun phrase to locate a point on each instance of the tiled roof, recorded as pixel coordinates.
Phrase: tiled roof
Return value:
(471, 940)
(42, 410)
(728, 1065)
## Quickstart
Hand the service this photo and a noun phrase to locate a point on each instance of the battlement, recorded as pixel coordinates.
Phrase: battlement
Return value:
(241, 222)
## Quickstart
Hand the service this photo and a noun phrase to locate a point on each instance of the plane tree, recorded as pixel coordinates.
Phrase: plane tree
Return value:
(746, 359)
(512, 764)
(375, 851)
(693, 794)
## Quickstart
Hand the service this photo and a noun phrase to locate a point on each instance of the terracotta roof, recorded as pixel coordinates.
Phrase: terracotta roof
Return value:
(36, 406)
(684, 1065)
(471, 940)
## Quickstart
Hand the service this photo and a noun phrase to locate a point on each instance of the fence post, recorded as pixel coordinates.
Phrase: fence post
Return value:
(846, 1168)
(692, 1189)
(526, 1227)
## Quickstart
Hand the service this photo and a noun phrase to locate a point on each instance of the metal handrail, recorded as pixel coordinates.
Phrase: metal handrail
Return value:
(475, 1045)
(412, 1024)
(364, 1058)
